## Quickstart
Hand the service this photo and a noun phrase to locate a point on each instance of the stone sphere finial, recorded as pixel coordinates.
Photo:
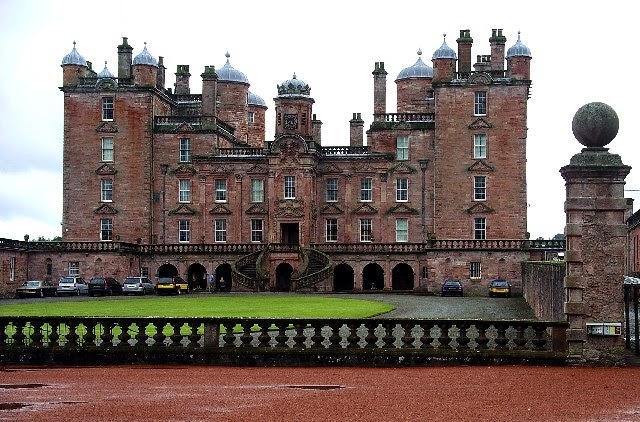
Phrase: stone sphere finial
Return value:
(595, 125)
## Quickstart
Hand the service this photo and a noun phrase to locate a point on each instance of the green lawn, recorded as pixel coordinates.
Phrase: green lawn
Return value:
(206, 306)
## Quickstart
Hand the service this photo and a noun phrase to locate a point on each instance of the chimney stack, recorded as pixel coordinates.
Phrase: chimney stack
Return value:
(182, 80)
(497, 42)
(125, 55)
(316, 130)
(356, 132)
(464, 50)
(379, 91)
(209, 92)
(161, 74)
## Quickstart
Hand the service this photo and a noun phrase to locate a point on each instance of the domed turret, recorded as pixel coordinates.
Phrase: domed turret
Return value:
(518, 49)
(74, 58)
(444, 52)
(255, 100)
(105, 72)
(418, 70)
(145, 58)
(294, 87)
(230, 74)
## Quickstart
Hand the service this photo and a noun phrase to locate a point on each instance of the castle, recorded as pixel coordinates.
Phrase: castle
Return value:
(163, 181)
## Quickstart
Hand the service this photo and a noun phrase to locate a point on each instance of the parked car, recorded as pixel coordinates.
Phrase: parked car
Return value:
(36, 288)
(104, 286)
(72, 286)
(138, 285)
(172, 285)
(499, 288)
(452, 288)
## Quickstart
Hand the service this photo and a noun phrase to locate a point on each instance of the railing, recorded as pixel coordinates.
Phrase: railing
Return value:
(256, 284)
(207, 248)
(344, 150)
(241, 152)
(176, 120)
(283, 341)
(284, 247)
(404, 117)
(309, 280)
(94, 81)
(188, 98)
(495, 74)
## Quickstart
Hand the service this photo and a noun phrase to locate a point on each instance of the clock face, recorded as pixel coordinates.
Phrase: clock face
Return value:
(291, 121)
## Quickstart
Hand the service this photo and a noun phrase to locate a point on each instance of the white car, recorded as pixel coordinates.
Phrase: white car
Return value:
(72, 286)
(138, 285)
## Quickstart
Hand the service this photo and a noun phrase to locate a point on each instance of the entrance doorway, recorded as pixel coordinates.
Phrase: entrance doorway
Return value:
(167, 270)
(196, 277)
(283, 277)
(289, 233)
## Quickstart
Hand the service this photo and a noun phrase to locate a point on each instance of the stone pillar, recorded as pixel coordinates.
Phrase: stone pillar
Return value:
(596, 238)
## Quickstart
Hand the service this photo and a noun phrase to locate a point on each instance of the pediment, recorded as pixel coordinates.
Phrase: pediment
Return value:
(256, 209)
(258, 169)
(105, 170)
(184, 127)
(402, 168)
(331, 209)
(479, 208)
(331, 168)
(184, 170)
(107, 127)
(290, 208)
(220, 209)
(402, 209)
(480, 166)
(365, 209)
(365, 168)
(220, 169)
(105, 209)
(107, 84)
(480, 123)
(183, 209)
(480, 78)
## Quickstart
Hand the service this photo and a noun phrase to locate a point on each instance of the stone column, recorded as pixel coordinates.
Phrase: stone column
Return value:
(596, 237)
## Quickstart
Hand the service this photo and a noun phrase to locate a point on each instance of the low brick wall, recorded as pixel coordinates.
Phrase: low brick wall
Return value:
(543, 288)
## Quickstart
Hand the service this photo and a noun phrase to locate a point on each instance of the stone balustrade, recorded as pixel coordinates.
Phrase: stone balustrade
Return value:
(286, 341)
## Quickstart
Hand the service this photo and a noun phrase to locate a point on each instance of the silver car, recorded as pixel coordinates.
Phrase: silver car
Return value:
(72, 286)
(138, 285)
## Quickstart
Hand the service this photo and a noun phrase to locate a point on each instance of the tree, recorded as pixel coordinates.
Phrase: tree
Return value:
(558, 236)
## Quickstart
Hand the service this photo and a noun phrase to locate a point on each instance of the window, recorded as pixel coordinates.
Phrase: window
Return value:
(475, 270)
(184, 231)
(289, 187)
(185, 150)
(49, 264)
(144, 271)
(220, 230)
(402, 230)
(106, 190)
(221, 190)
(257, 190)
(12, 268)
(107, 108)
(251, 117)
(184, 191)
(479, 146)
(106, 229)
(332, 230)
(480, 104)
(74, 269)
(366, 193)
(479, 188)
(107, 149)
(366, 230)
(402, 190)
(332, 190)
(480, 228)
(256, 231)
(402, 148)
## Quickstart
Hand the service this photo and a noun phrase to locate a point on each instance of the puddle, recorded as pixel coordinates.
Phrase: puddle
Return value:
(12, 406)
(316, 387)
(14, 386)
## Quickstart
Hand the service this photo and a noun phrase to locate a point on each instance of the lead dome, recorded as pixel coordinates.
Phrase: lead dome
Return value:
(418, 70)
(231, 74)
(444, 52)
(294, 87)
(74, 57)
(254, 99)
(518, 49)
(145, 57)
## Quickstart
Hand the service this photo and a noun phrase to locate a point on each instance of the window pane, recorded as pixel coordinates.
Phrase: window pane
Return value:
(332, 230)
(185, 191)
(74, 269)
(366, 227)
(480, 106)
(479, 188)
(332, 190)
(365, 189)
(479, 146)
(107, 149)
(106, 190)
(107, 108)
(402, 190)
(289, 187)
(220, 230)
(257, 190)
(402, 230)
(402, 148)
(480, 228)
(184, 231)
(185, 150)
(221, 190)
(475, 270)
(256, 230)
(106, 229)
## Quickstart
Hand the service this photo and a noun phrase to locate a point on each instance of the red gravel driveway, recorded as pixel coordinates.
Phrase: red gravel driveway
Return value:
(197, 393)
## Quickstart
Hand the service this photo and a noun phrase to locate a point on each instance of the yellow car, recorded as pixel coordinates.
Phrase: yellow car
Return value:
(499, 288)
(172, 285)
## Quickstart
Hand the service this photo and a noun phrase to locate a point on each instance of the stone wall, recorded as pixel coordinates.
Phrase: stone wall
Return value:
(543, 288)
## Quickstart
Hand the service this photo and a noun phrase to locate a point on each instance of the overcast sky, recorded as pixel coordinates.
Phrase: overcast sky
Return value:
(583, 51)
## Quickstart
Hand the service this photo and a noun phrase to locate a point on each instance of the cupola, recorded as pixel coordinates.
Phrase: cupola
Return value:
(228, 73)
(418, 70)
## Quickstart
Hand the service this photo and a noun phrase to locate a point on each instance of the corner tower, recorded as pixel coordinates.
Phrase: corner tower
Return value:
(294, 108)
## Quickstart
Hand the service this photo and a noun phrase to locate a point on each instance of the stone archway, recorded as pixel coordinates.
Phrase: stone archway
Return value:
(402, 277)
(167, 270)
(283, 277)
(223, 278)
(372, 277)
(197, 277)
(343, 277)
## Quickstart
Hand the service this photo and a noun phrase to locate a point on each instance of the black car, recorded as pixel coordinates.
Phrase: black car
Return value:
(452, 288)
(499, 288)
(36, 288)
(104, 286)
